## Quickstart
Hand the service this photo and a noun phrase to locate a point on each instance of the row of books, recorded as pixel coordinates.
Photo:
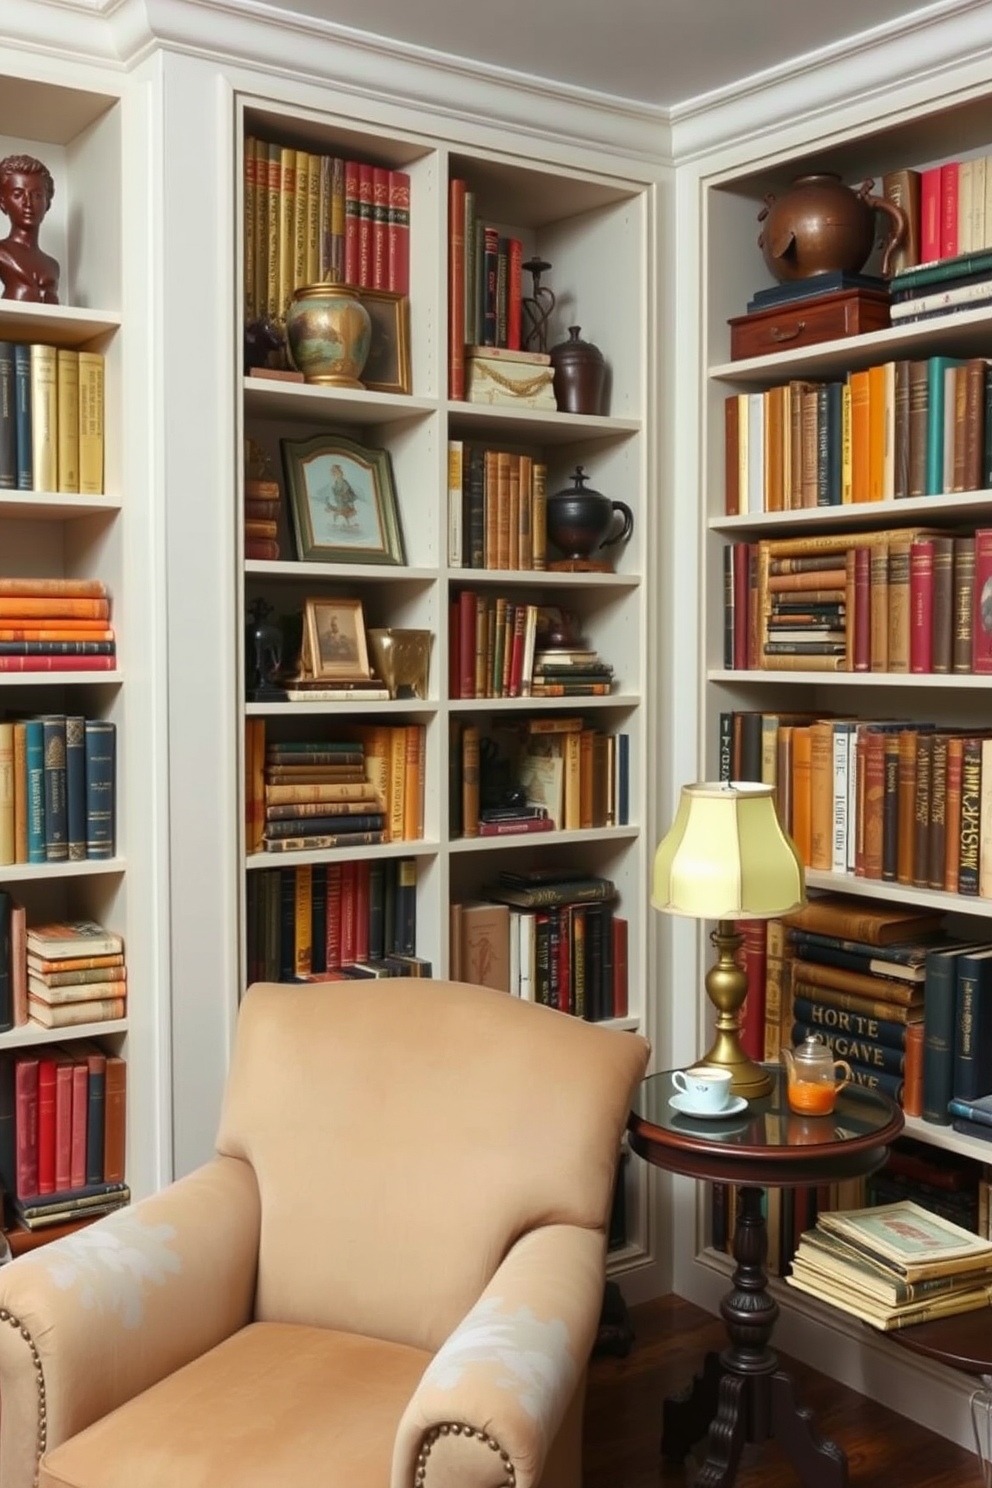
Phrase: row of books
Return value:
(551, 938)
(55, 625)
(262, 502)
(495, 651)
(960, 283)
(901, 428)
(57, 789)
(51, 419)
(66, 1130)
(948, 207)
(889, 601)
(313, 920)
(364, 783)
(311, 218)
(497, 508)
(59, 974)
(903, 802)
(484, 283)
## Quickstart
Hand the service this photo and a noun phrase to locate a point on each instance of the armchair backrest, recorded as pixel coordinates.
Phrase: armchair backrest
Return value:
(404, 1133)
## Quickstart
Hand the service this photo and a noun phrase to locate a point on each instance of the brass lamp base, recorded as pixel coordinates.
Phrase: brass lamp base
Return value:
(726, 988)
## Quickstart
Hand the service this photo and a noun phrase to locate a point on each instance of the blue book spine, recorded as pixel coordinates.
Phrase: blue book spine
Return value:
(979, 1110)
(830, 1021)
(866, 1052)
(973, 1026)
(405, 938)
(75, 787)
(6, 980)
(22, 416)
(56, 807)
(34, 740)
(8, 423)
(95, 1116)
(100, 788)
(623, 780)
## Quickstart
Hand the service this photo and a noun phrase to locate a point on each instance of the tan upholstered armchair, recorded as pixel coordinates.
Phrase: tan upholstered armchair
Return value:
(391, 1273)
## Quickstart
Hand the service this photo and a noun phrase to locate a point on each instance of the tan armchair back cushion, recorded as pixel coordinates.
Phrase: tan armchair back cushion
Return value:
(404, 1133)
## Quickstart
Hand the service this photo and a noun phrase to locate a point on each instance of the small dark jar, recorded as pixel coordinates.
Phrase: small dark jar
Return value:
(580, 374)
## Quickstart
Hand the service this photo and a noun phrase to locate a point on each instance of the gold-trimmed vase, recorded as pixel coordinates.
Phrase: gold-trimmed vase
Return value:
(329, 333)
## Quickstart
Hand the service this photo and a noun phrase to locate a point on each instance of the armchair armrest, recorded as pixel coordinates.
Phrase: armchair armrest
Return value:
(492, 1400)
(95, 1318)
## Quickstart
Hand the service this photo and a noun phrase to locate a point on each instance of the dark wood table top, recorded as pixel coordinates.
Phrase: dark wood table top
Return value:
(962, 1341)
(766, 1144)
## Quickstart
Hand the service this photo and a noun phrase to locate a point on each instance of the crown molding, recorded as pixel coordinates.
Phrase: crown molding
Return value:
(882, 71)
(274, 42)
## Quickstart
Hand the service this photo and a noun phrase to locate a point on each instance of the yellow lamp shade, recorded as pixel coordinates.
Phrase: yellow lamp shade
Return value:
(726, 856)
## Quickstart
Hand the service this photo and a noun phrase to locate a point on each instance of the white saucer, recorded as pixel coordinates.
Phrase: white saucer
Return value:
(733, 1107)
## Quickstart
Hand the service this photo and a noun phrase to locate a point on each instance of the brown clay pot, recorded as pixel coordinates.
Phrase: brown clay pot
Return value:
(580, 374)
(821, 226)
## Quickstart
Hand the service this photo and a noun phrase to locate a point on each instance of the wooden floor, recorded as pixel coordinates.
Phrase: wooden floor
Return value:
(623, 1417)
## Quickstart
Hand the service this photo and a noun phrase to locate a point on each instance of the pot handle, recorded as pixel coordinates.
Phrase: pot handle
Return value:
(626, 529)
(897, 232)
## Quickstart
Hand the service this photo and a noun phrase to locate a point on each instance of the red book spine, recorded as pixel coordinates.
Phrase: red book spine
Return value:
(467, 602)
(351, 222)
(619, 937)
(380, 229)
(26, 1125)
(515, 253)
(261, 547)
(949, 174)
(565, 993)
(332, 940)
(456, 293)
(742, 562)
(861, 618)
(930, 215)
(349, 939)
(363, 870)
(731, 481)
(517, 649)
(57, 663)
(454, 650)
(80, 1111)
(921, 607)
(872, 825)
(63, 1125)
(398, 232)
(753, 959)
(46, 1126)
(981, 624)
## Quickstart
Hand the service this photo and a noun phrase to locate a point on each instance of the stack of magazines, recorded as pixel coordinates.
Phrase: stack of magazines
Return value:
(893, 1265)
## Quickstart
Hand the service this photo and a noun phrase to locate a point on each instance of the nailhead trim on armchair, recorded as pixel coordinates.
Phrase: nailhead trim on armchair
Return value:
(42, 1436)
(456, 1428)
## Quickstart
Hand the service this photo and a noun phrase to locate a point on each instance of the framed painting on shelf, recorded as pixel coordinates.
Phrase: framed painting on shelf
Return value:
(387, 369)
(343, 501)
(334, 640)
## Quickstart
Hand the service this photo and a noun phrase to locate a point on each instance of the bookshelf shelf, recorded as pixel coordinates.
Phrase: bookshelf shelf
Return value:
(335, 572)
(473, 578)
(62, 679)
(459, 845)
(33, 1033)
(909, 511)
(544, 426)
(396, 706)
(419, 848)
(895, 893)
(950, 682)
(57, 325)
(92, 867)
(52, 506)
(299, 401)
(544, 705)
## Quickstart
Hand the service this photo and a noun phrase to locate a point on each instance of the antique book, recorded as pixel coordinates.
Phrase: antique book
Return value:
(913, 1243)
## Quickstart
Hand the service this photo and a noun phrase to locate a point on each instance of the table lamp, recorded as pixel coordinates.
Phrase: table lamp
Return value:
(725, 858)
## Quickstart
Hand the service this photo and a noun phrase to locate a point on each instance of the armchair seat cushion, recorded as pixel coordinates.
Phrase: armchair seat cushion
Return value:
(271, 1405)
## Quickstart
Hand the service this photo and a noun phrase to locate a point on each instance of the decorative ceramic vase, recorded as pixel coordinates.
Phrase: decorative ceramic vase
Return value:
(821, 226)
(580, 374)
(580, 520)
(329, 334)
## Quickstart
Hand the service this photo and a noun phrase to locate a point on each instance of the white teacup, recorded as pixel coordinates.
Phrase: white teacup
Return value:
(705, 1087)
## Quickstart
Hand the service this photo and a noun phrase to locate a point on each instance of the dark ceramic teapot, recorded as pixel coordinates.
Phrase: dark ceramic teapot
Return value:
(580, 520)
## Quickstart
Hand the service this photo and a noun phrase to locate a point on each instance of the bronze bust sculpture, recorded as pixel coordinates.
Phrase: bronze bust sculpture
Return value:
(26, 191)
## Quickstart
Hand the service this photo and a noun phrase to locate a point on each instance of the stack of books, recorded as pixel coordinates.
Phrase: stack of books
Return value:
(262, 502)
(942, 287)
(570, 671)
(56, 625)
(75, 974)
(893, 1265)
(317, 796)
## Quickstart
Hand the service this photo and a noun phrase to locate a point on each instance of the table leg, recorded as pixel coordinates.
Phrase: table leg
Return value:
(756, 1400)
(686, 1417)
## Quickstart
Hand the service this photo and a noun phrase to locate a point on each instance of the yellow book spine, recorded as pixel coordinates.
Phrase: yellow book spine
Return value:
(313, 219)
(287, 228)
(303, 920)
(273, 230)
(301, 218)
(250, 215)
(539, 515)
(846, 466)
(573, 781)
(91, 420)
(44, 419)
(67, 415)
(396, 817)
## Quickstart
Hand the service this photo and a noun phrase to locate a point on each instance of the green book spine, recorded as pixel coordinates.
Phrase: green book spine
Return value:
(936, 367)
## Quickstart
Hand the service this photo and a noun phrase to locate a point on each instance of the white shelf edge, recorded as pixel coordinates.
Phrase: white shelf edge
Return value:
(528, 704)
(875, 888)
(581, 424)
(955, 681)
(60, 325)
(860, 514)
(421, 848)
(29, 1034)
(54, 505)
(529, 839)
(541, 576)
(281, 568)
(61, 679)
(948, 1139)
(89, 867)
(306, 400)
(378, 706)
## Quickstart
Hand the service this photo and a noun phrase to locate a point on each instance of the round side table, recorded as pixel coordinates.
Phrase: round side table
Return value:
(742, 1396)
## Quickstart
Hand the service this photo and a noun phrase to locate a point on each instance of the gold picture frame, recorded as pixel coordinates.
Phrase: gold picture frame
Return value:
(334, 643)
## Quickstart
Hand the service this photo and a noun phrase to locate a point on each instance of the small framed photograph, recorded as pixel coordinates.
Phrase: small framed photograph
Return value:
(334, 645)
(387, 369)
(343, 501)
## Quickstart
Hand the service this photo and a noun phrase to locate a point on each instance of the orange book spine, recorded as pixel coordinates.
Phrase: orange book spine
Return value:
(952, 813)
(115, 1119)
(456, 289)
(411, 781)
(52, 606)
(69, 630)
(802, 827)
(62, 588)
(821, 795)
(906, 804)
(396, 809)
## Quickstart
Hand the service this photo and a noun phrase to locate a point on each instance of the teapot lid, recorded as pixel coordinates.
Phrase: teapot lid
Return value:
(812, 1047)
(579, 486)
(575, 349)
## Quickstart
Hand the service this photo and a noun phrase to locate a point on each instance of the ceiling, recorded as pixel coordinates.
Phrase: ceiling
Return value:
(656, 52)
